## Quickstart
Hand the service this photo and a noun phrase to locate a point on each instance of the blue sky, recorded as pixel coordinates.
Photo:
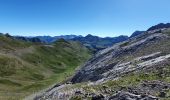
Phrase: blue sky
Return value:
(81, 17)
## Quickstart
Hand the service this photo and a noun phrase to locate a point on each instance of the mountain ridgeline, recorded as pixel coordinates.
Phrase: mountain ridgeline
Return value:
(50, 39)
(135, 69)
(159, 26)
(94, 43)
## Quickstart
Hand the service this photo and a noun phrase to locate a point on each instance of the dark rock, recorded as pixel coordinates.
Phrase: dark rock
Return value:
(78, 93)
(92, 94)
(166, 87)
(162, 94)
(153, 85)
(98, 97)
(104, 86)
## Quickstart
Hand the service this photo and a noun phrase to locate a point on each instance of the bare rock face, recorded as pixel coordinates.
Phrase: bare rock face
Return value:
(110, 62)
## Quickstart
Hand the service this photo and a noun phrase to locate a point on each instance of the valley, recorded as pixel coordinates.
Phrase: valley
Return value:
(27, 68)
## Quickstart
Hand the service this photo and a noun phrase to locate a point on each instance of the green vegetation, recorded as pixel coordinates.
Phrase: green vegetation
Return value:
(26, 68)
(76, 98)
(124, 44)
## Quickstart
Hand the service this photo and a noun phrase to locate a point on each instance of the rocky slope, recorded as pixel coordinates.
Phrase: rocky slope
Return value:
(159, 26)
(118, 56)
(136, 69)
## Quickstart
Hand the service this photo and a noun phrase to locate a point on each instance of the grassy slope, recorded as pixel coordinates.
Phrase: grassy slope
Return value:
(26, 67)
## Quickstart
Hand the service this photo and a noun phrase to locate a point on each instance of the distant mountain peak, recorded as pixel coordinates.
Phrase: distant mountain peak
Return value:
(159, 26)
(136, 33)
(89, 35)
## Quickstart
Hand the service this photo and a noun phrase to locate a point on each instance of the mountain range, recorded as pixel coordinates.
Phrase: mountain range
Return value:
(95, 43)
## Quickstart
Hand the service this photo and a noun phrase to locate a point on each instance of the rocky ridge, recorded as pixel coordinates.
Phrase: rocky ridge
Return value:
(136, 69)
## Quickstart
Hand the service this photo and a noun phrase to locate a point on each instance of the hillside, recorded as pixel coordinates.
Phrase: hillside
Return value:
(27, 67)
(136, 69)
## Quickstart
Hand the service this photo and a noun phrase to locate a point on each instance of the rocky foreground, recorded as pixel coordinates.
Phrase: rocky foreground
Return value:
(144, 91)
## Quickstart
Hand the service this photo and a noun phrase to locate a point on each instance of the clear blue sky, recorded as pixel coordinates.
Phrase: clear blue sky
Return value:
(81, 17)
